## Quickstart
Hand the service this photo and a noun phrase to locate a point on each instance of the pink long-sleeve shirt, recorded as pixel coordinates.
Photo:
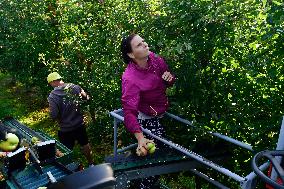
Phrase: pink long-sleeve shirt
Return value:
(144, 90)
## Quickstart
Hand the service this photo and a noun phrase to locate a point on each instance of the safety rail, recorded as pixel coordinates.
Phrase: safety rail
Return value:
(247, 182)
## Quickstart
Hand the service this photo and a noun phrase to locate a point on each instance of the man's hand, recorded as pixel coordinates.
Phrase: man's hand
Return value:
(84, 95)
(167, 76)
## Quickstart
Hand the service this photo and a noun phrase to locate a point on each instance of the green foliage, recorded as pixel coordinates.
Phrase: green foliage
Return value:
(227, 56)
(178, 181)
(11, 96)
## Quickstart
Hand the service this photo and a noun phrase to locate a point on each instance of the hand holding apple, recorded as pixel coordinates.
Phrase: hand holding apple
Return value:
(142, 148)
(141, 151)
(145, 145)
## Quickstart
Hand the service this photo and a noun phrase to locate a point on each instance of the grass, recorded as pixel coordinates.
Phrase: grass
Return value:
(23, 105)
(10, 102)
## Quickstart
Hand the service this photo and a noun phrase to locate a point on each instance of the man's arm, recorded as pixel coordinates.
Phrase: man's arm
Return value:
(53, 109)
(80, 91)
(84, 95)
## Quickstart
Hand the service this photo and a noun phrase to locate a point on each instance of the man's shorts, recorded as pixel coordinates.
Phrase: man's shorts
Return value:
(69, 138)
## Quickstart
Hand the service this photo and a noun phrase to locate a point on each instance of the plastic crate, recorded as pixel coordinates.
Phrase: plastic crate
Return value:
(68, 154)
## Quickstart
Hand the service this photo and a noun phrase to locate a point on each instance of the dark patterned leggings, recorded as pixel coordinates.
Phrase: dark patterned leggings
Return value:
(156, 128)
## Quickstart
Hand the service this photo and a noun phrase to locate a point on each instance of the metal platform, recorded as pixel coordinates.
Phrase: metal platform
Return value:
(36, 165)
(27, 134)
(128, 166)
(126, 171)
(30, 178)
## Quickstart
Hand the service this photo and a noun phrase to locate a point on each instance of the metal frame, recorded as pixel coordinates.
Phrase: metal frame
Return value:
(123, 177)
(280, 146)
(247, 182)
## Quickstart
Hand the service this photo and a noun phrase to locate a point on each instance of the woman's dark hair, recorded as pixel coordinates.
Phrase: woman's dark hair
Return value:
(126, 48)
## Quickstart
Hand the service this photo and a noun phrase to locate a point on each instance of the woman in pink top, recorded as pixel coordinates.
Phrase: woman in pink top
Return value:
(144, 84)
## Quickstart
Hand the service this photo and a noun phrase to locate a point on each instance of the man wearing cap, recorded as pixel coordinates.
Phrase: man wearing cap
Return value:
(67, 113)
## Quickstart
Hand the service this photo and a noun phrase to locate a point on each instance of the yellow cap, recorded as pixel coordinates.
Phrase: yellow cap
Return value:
(53, 76)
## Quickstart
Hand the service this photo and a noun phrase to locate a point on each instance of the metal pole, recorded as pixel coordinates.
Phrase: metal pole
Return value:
(131, 146)
(114, 137)
(250, 181)
(233, 141)
(280, 146)
(117, 111)
(115, 115)
(117, 119)
(224, 137)
(186, 151)
(197, 157)
(208, 179)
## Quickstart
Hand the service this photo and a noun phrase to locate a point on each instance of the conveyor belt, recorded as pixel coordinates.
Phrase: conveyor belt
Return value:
(128, 166)
(24, 131)
(30, 178)
(27, 133)
(130, 160)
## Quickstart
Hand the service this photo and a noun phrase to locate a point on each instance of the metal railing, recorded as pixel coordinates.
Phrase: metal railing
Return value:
(247, 182)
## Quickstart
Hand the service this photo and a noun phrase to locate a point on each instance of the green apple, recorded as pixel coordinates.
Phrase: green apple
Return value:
(152, 150)
(12, 138)
(35, 140)
(151, 147)
(10, 144)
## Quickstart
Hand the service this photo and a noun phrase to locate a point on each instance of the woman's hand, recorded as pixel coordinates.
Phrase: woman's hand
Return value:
(142, 149)
(167, 76)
